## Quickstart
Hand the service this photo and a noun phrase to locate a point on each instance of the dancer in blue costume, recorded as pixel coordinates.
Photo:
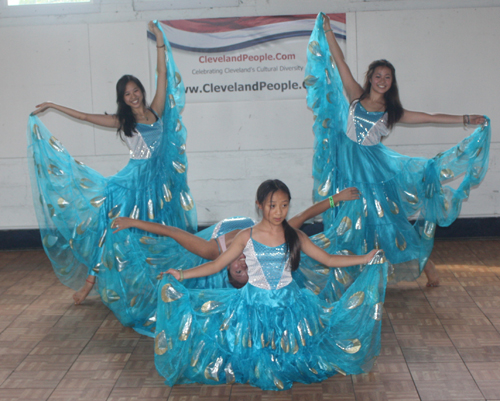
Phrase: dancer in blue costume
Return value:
(269, 333)
(394, 187)
(211, 242)
(148, 256)
(75, 205)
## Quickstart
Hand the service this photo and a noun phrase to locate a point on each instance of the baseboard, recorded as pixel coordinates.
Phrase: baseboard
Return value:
(486, 227)
(11, 240)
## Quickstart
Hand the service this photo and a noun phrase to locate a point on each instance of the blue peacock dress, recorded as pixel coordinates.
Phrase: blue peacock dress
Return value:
(271, 332)
(394, 187)
(75, 205)
(145, 257)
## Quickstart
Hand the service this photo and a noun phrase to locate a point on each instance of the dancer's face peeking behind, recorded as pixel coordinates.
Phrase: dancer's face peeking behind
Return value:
(381, 80)
(275, 207)
(133, 95)
(238, 270)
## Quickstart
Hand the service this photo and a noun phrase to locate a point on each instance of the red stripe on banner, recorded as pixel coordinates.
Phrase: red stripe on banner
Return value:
(213, 25)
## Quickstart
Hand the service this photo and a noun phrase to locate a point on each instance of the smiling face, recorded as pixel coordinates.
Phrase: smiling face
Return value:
(133, 95)
(275, 207)
(381, 80)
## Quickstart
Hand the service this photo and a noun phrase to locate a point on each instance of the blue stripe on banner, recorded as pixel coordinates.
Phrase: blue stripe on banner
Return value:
(246, 44)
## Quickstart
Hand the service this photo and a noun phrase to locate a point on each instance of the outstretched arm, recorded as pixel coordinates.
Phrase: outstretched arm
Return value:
(418, 117)
(198, 246)
(158, 104)
(320, 207)
(104, 120)
(207, 269)
(352, 88)
(325, 258)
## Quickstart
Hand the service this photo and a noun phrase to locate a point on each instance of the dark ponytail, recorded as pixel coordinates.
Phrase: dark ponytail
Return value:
(292, 239)
(124, 112)
(292, 245)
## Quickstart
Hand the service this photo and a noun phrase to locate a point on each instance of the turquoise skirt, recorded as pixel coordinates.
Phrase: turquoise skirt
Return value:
(268, 338)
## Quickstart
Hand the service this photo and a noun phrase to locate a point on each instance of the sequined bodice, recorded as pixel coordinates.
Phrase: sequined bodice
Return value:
(366, 127)
(268, 267)
(145, 140)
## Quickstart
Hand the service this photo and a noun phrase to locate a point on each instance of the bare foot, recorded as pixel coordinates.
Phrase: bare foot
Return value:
(83, 292)
(431, 274)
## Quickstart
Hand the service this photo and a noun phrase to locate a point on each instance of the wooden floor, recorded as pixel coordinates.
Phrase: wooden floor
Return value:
(438, 343)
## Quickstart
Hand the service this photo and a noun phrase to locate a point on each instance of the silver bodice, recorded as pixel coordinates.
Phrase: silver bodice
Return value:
(268, 267)
(145, 140)
(366, 127)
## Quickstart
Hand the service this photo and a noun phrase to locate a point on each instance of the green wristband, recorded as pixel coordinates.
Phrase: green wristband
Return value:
(332, 202)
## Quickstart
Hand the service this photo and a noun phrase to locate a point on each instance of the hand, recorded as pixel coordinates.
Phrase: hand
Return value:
(476, 119)
(326, 23)
(347, 194)
(172, 272)
(158, 34)
(370, 255)
(121, 223)
(42, 107)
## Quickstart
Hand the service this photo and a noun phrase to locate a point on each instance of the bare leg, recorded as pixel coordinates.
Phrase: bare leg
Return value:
(83, 292)
(431, 274)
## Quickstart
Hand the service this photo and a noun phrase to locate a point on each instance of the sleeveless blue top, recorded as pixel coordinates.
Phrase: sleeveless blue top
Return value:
(268, 267)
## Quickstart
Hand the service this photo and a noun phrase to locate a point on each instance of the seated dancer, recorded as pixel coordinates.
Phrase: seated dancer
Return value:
(130, 286)
(75, 204)
(221, 235)
(271, 332)
(394, 187)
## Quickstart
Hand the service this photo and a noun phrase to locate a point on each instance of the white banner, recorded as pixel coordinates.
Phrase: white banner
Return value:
(242, 59)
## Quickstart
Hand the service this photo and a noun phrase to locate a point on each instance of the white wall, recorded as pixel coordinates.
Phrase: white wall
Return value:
(445, 59)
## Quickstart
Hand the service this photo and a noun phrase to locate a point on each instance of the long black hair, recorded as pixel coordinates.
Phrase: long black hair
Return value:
(393, 105)
(292, 240)
(124, 111)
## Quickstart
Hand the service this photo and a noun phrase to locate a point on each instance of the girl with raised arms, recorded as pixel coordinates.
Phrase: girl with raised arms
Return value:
(394, 187)
(270, 333)
(75, 205)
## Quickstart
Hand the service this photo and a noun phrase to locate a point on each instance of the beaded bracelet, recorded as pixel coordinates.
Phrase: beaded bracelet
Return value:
(466, 120)
(332, 202)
